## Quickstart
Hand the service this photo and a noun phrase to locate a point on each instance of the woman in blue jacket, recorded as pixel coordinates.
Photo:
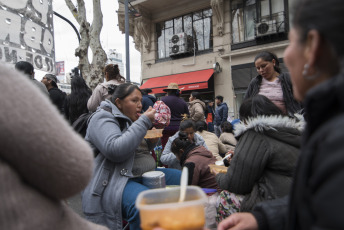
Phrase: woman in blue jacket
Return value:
(116, 131)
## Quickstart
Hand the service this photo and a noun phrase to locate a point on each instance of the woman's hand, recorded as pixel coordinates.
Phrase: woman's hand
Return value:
(230, 155)
(150, 112)
(239, 221)
(230, 152)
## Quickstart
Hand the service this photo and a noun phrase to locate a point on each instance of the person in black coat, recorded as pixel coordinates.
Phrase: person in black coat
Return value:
(56, 95)
(315, 58)
(264, 158)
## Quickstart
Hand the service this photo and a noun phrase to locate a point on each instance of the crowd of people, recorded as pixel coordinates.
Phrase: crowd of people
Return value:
(284, 156)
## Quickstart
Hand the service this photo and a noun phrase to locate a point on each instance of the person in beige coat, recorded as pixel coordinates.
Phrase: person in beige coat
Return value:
(227, 136)
(196, 107)
(211, 140)
(101, 92)
(42, 160)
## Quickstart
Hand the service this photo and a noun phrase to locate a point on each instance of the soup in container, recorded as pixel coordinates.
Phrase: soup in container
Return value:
(160, 208)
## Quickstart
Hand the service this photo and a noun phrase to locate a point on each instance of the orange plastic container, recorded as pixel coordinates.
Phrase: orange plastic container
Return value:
(160, 208)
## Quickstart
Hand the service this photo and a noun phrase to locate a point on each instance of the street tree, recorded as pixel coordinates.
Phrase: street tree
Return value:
(90, 38)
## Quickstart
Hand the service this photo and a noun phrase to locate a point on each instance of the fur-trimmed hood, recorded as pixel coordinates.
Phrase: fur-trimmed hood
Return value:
(263, 123)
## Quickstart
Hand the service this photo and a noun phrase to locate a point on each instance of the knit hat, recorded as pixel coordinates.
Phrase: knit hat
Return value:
(172, 86)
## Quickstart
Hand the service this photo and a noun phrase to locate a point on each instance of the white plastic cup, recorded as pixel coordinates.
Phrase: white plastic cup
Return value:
(154, 179)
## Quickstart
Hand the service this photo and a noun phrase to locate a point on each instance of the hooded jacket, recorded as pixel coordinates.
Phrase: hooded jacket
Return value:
(168, 157)
(196, 109)
(316, 200)
(197, 160)
(100, 93)
(102, 199)
(221, 114)
(264, 159)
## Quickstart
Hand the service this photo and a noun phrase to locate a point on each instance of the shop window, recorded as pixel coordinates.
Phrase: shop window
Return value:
(254, 19)
(197, 27)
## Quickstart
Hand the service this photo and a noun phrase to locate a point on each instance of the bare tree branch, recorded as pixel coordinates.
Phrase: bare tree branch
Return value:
(90, 38)
(73, 9)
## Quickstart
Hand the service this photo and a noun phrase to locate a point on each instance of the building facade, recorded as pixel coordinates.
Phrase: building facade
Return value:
(206, 45)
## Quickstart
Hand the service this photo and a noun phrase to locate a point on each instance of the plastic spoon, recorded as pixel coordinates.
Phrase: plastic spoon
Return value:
(183, 184)
(229, 155)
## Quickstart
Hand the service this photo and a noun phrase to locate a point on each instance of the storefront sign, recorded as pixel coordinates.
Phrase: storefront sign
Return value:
(26, 33)
(60, 68)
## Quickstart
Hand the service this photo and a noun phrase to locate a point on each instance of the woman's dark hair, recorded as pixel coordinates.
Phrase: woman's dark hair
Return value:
(268, 56)
(196, 95)
(123, 90)
(258, 105)
(181, 142)
(146, 91)
(25, 67)
(113, 72)
(188, 123)
(327, 17)
(201, 126)
(77, 100)
(227, 127)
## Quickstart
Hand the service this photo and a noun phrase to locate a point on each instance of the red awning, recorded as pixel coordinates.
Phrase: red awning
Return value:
(186, 81)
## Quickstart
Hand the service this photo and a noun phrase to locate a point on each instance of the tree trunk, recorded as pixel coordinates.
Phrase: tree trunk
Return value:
(90, 38)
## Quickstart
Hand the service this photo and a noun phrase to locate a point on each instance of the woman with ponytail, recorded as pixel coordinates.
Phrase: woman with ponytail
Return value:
(116, 131)
(273, 84)
(100, 93)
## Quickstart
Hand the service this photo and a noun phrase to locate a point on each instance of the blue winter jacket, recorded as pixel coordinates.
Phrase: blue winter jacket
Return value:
(221, 114)
(147, 100)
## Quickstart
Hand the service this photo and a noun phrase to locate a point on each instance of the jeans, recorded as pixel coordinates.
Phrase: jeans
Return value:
(217, 130)
(211, 127)
(134, 187)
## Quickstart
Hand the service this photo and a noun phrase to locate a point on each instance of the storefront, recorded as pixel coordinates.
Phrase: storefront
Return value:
(201, 81)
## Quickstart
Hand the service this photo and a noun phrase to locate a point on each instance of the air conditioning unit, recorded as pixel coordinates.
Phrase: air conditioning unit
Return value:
(178, 44)
(266, 28)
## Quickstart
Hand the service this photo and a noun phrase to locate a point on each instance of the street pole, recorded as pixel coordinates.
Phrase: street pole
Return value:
(127, 57)
(70, 23)
(74, 28)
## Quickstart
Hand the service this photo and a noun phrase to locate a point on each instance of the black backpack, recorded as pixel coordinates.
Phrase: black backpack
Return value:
(80, 124)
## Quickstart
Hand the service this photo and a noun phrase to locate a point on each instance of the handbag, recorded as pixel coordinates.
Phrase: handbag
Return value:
(162, 115)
